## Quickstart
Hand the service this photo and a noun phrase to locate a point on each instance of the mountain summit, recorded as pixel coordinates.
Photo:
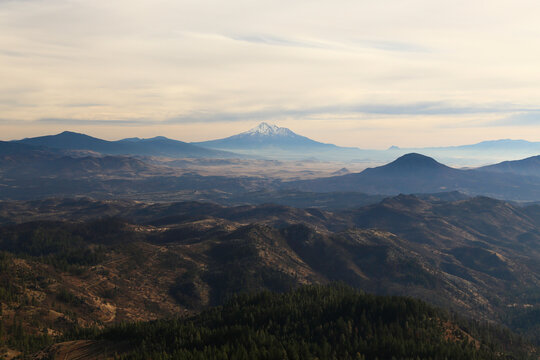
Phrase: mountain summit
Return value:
(409, 174)
(265, 129)
(157, 146)
(419, 174)
(266, 136)
(412, 162)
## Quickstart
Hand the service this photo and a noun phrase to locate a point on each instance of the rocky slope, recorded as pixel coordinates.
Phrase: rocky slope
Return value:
(62, 266)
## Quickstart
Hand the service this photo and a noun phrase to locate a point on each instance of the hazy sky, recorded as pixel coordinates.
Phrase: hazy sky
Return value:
(355, 73)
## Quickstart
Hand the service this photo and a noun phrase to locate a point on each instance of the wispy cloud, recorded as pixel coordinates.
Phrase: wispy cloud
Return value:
(84, 105)
(67, 121)
(411, 109)
(523, 118)
(395, 46)
(406, 69)
(428, 108)
(281, 41)
(12, 53)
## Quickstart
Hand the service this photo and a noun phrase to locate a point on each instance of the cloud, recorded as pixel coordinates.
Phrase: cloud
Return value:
(280, 41)
(85, 105)
(527, 118)
(235, 61)
(93, 122)
(12, 53)
(272, 40)
(395, 46)
(398, 110)
(427, 108)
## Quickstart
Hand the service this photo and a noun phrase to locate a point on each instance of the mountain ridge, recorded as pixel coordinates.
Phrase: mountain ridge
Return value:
(527, 166)
(477, 256)
(411, 162)
(270, 141)
(157, 146)
(264, 135)
(416, 173)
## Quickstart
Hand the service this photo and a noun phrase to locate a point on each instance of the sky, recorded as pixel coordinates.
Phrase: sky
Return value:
(358, 73)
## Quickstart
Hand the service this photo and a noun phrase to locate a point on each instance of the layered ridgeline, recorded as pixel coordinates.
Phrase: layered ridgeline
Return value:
(64, 265)
(528, 167)
(38, 171)
(273, 142)
(157, 146)
(314, 322)
(33, 172)
(491, 151)
(417, 173)
(263, 141)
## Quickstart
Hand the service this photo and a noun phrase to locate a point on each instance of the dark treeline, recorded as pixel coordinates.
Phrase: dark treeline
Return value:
(13, 333)
(66, 246)
(14, 336)
(324, 322)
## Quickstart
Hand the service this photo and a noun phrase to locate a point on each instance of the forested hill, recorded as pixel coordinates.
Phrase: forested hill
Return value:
(324, 322)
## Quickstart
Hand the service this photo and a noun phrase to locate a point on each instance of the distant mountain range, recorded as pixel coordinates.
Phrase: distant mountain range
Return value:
(482, 153)
(416, 173)
(77, 164)
(498, 145)
(528, 167)
(272, 142)
(263, 141)
(157, 146)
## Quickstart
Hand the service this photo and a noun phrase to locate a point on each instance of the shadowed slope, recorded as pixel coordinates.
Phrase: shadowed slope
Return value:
(158, 146)
(415, 173)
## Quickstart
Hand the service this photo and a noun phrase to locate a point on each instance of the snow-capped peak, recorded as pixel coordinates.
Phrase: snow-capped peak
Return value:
(269, 130)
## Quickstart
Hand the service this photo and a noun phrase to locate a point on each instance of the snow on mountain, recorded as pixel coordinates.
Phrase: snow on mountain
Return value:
(264, 136)
(265, 129)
